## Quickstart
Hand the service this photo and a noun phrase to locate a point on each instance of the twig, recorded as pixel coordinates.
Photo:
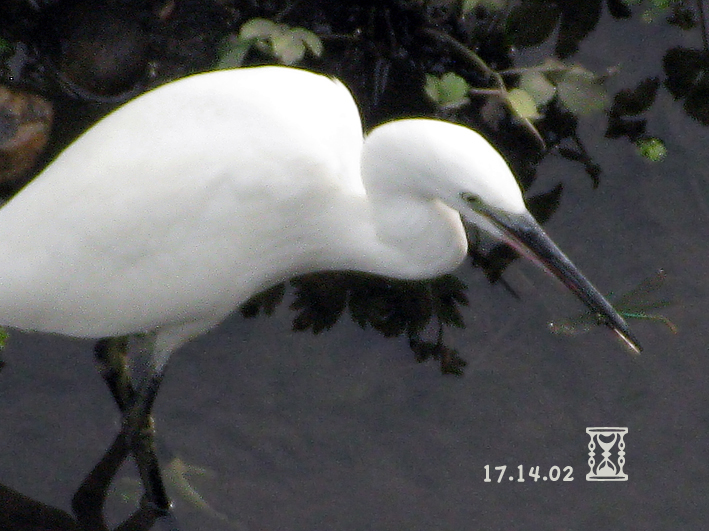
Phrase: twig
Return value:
(466, 52)
(500, 90)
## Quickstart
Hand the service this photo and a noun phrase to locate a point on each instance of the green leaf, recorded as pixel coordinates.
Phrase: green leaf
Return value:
(581, 91)
(522, 104)
(286, 44)
(454, 88)
(431, 88)
(233, 53)
(310, 39)
(286, 48)
(4, 336)
(450, 90)
(552, 66)
(538, 86)
(258, 28)
(652, 149)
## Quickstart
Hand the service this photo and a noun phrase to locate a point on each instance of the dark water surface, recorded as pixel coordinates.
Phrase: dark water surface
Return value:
(345, 431)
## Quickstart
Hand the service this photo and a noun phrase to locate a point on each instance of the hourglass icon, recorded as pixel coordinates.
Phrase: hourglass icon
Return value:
(607, 439)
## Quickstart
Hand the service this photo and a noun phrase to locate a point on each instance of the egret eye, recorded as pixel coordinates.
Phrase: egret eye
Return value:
(472, 199)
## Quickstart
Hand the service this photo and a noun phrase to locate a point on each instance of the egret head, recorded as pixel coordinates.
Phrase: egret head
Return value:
(447, 162)
(458, 167)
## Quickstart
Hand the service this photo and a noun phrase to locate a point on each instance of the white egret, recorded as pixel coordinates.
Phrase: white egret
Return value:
(182, 204)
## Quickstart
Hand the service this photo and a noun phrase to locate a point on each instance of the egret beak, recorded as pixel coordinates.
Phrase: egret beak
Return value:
(523, 233)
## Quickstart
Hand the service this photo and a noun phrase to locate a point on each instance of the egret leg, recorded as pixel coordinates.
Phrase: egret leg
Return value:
(89, 500)
(137, 404)
(112, 357)
(138, 428)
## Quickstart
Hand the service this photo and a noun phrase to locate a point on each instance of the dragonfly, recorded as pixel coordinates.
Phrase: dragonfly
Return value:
(633, 304)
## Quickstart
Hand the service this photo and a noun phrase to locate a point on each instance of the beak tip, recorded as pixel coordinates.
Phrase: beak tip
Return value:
(629, 339)
(526, 235)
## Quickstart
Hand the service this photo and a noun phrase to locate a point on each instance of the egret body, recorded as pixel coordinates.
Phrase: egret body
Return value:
(181, 205)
